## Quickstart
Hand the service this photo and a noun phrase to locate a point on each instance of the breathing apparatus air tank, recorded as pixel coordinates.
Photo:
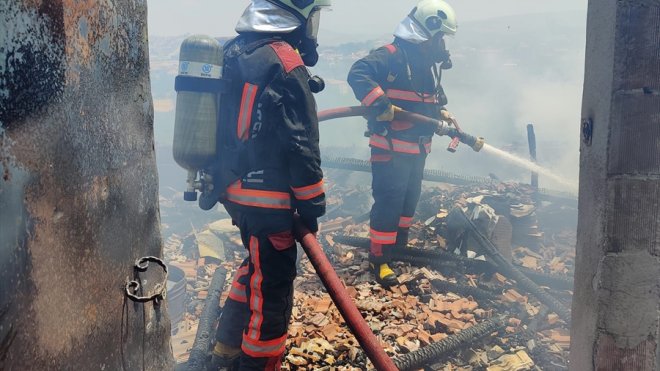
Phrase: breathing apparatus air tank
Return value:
(198, 86)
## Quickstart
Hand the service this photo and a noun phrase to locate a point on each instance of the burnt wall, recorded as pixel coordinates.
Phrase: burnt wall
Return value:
(78, 188)
(616, 306)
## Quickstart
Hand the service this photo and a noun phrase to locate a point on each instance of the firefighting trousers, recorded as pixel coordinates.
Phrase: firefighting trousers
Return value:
(257, 311)
(396, 186)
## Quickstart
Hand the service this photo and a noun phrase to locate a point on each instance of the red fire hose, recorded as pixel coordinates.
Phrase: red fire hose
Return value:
(456, 133)
(342, 112)
(342, 300)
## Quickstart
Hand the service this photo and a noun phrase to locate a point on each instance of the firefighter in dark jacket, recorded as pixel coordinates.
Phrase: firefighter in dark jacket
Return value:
(272, 166)
(404, 74)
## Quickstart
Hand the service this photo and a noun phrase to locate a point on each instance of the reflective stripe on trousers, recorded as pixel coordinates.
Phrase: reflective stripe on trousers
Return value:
(256, 297)
(383, 238)
(237, 290)
(405, 222)
(269, 348)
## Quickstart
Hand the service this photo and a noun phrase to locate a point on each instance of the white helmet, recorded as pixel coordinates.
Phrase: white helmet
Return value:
(302, 7)
(427, 19)
(282, 16)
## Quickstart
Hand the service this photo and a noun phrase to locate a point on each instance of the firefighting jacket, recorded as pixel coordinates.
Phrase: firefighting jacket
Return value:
(271, 136)
(393, 74)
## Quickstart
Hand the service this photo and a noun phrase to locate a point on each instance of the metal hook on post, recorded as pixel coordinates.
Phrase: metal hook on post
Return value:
(132, 287)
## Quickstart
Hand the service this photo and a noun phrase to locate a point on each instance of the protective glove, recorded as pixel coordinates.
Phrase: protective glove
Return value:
(311, 223)
(447, 116)
(446, 120)
(387, 114)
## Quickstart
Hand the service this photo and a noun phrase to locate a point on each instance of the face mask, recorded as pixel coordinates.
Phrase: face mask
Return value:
(313, 23)
(308, 44)
(439, 51)
(308, 52)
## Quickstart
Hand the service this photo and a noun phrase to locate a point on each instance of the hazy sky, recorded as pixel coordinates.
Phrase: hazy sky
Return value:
(365, 17)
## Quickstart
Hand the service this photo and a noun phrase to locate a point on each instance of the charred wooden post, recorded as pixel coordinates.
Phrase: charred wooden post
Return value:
(79, 189)
(531, 140)
(465, 290)
(617, 279)
(553, 281)
(198, 360)
(464, 339)
(458, 220)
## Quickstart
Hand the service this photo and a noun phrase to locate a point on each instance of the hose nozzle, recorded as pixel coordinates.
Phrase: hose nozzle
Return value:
(478, 144)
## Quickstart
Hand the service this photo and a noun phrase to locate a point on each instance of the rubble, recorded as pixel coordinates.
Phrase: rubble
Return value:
(446, 288)
(519, 361)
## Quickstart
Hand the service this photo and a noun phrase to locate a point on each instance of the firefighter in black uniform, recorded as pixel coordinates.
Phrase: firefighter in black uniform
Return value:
(271, 164)
(404, 74)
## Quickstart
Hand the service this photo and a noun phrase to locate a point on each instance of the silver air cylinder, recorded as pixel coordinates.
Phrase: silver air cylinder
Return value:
(197, 105)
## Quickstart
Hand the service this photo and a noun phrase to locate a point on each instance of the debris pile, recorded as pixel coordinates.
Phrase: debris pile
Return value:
(447, 286)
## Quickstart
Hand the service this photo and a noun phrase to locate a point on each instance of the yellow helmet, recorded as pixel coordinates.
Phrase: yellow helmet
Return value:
(435, 16)
(301, 8)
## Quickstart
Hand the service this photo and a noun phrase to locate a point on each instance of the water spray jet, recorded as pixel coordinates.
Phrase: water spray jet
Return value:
(529, 165)
(478, 144)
